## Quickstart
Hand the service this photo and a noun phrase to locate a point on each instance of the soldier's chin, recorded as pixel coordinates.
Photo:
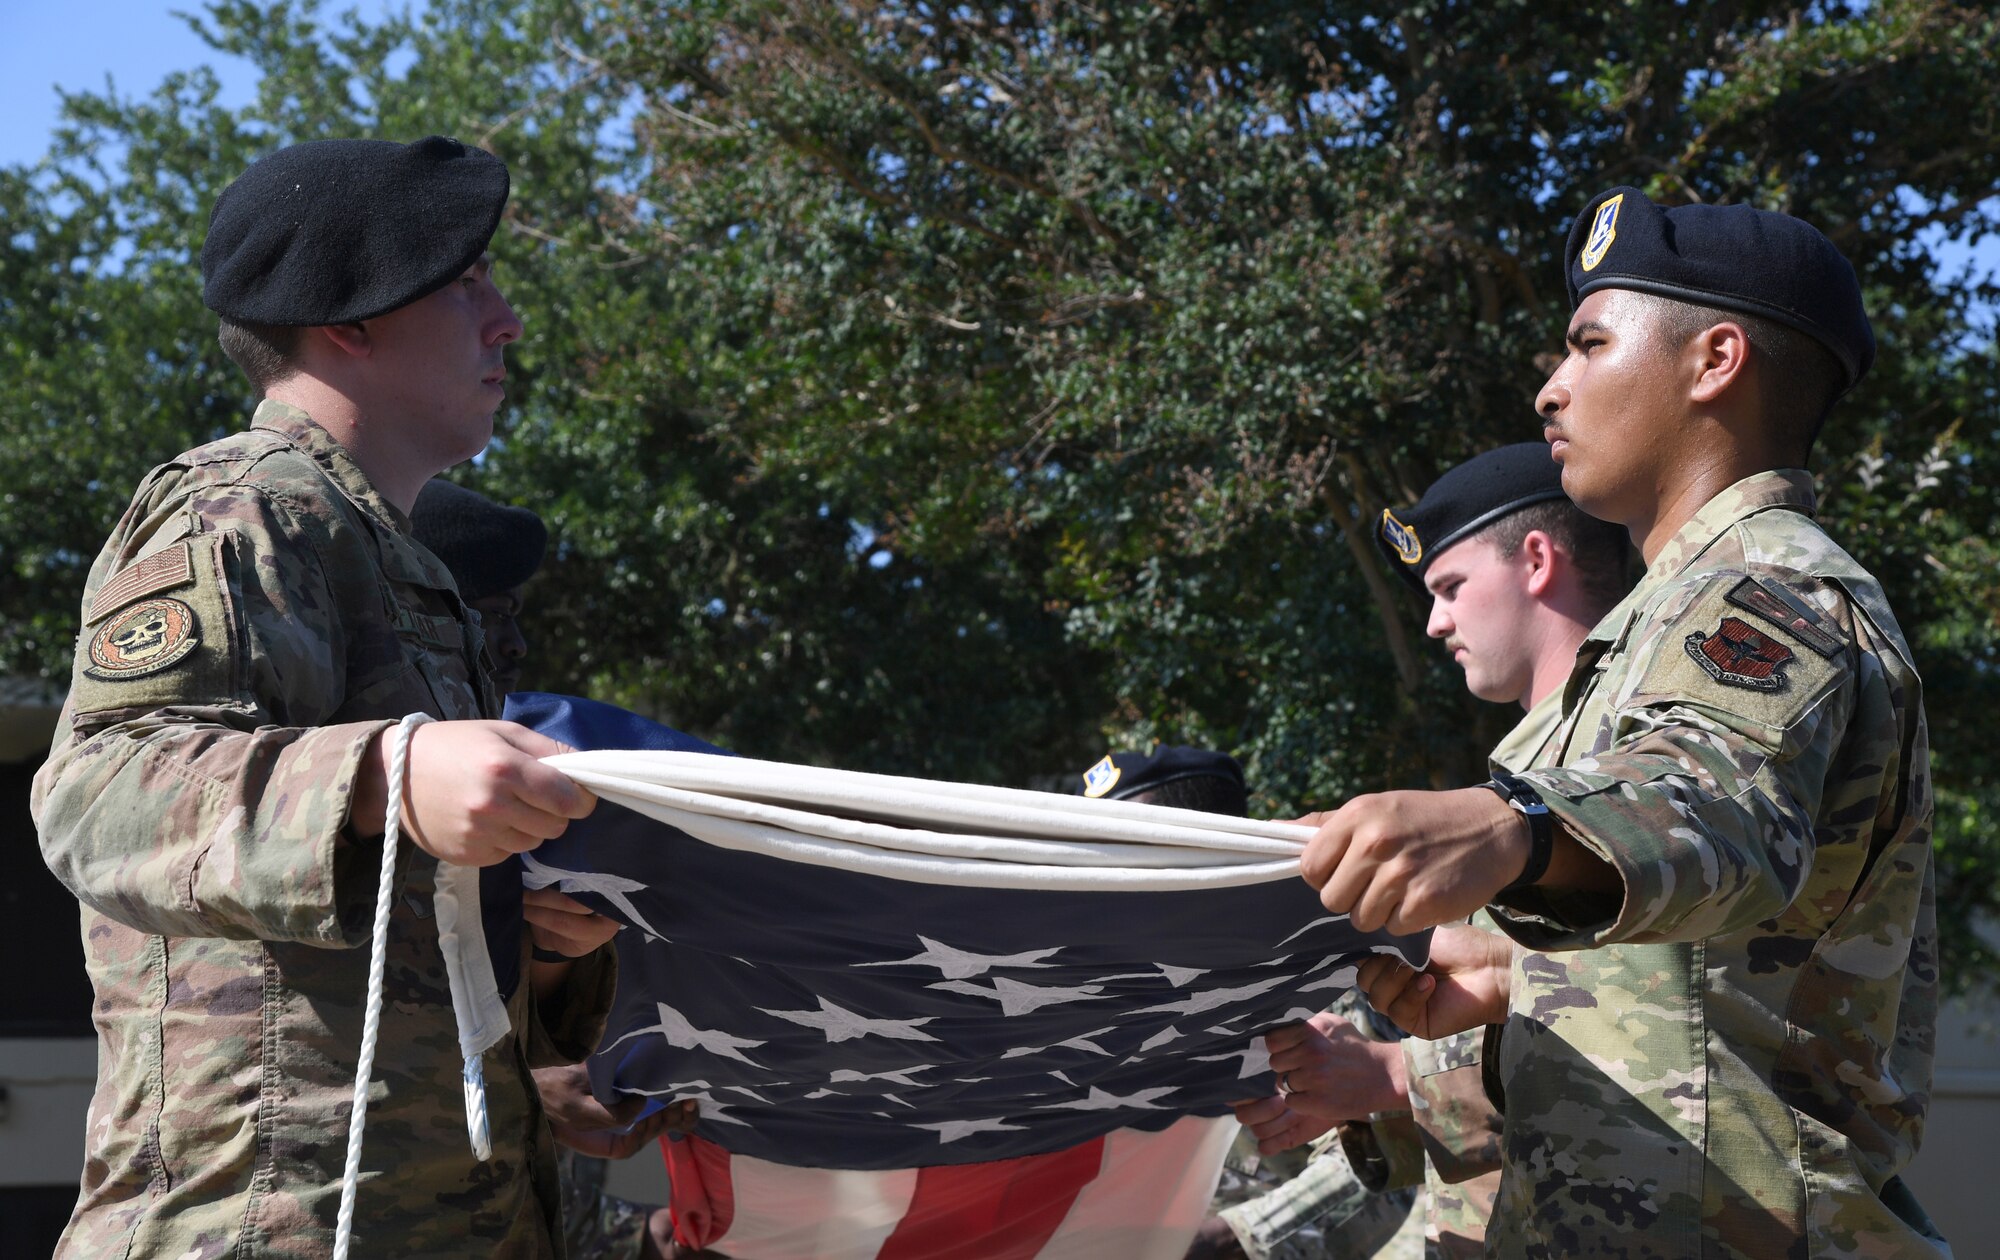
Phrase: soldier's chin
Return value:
(1576, 483)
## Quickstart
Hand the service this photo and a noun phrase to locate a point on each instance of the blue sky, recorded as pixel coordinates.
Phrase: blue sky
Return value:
(76, 43)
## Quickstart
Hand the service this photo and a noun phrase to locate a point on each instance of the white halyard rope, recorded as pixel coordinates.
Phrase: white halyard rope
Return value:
(371, 1020)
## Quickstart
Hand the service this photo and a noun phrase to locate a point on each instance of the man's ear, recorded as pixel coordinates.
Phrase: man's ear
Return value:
(1718, 356)
(1539, 556)
(351, 340)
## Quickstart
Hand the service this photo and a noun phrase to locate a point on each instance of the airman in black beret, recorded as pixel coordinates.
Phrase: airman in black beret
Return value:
(1708, 1033)
(1171, 774)
(340, 231)
(217, 796)
(1544, 567)
(492, 550)
(1464, 501)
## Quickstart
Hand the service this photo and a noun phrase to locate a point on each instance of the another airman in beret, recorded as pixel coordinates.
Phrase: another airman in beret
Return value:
(258, 620)
(1721, 1042)
(1516, 576)
(492, 549)
(1171, 774)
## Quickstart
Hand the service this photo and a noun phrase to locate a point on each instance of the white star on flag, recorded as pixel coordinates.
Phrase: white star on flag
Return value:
(1209, 999)
(952, 1130)
(682, 1035)
(899, 1075)
(1160, 1038)
(1338, 978)
(1100, 1100)
(1083, 1042)
(610, 887)
(841, 1024)
(712, 1108)
(963, 964)
(1016, 998)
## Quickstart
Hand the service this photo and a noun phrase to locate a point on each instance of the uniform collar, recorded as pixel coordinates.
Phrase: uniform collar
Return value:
(1787, 488)
(1759, 492)
(303, 432)
(1522, 747)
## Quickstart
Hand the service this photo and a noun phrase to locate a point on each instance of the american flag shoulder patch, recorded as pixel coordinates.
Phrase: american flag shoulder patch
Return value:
(162, 571)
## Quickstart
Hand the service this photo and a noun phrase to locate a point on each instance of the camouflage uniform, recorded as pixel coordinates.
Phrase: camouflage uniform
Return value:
(1320, 1207)
(1734, 1058)
(1313, 1201)
(257, 614)
(1450, 1137)
(597, 1225)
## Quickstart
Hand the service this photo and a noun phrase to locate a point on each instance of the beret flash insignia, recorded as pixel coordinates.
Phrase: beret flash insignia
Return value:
(1603, 231)
(1409, 548)
(1101, 778)
(144, 639)
(1739, 656)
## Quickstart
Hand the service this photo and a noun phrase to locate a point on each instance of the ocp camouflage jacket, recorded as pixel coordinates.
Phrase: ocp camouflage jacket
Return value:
(1734, 1058)
(258, 615)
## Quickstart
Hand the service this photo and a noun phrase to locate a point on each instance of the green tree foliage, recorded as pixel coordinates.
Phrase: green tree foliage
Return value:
(948, 389)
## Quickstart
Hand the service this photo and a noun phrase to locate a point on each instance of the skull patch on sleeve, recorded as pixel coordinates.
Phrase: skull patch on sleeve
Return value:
(143, 639)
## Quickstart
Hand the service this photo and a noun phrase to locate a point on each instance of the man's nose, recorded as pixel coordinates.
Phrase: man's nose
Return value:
(1552, 397)
(1440, 625)
(505, 326)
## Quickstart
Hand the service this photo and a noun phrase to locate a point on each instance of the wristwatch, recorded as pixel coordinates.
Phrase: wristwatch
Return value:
(1527, 802)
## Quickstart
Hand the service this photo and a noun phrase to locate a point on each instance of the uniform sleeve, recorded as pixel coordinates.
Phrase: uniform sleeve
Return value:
(564, 1027)
(1449, 1104)
(1706, 776)
(191, 790)
(1386, 1150)
(1452, 1121)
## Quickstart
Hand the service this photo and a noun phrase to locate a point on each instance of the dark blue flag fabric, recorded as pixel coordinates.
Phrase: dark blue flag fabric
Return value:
(833, 1018)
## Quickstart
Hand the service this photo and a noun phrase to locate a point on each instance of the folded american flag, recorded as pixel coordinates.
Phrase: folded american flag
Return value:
(849, 1018)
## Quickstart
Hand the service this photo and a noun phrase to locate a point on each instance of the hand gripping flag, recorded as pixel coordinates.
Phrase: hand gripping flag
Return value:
(863, 972)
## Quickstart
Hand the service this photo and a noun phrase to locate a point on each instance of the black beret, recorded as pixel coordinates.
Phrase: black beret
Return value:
(334, 231)
(1739, 258)
(1126, 774)
(489, 548)
(1464, 501)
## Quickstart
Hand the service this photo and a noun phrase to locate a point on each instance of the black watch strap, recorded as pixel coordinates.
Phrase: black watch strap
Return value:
(549, 955)
(1524, 800)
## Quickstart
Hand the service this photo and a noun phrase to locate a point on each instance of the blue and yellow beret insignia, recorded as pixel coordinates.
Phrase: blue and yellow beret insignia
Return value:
(1603, 231)
(1100, 778)
(1409, 548)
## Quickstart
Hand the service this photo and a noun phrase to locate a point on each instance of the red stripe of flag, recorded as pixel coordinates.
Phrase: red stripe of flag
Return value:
(1003, 1210)
(704, 1201)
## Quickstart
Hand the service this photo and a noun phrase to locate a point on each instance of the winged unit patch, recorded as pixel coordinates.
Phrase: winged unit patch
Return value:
(1739, 656)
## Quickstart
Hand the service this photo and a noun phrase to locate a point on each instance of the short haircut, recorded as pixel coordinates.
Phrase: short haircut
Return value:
(1597, 548)
(1800, 381)
(263, 351)
(1210, 793)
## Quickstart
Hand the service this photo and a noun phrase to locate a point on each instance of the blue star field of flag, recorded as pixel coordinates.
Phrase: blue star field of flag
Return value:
(824, 1018)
